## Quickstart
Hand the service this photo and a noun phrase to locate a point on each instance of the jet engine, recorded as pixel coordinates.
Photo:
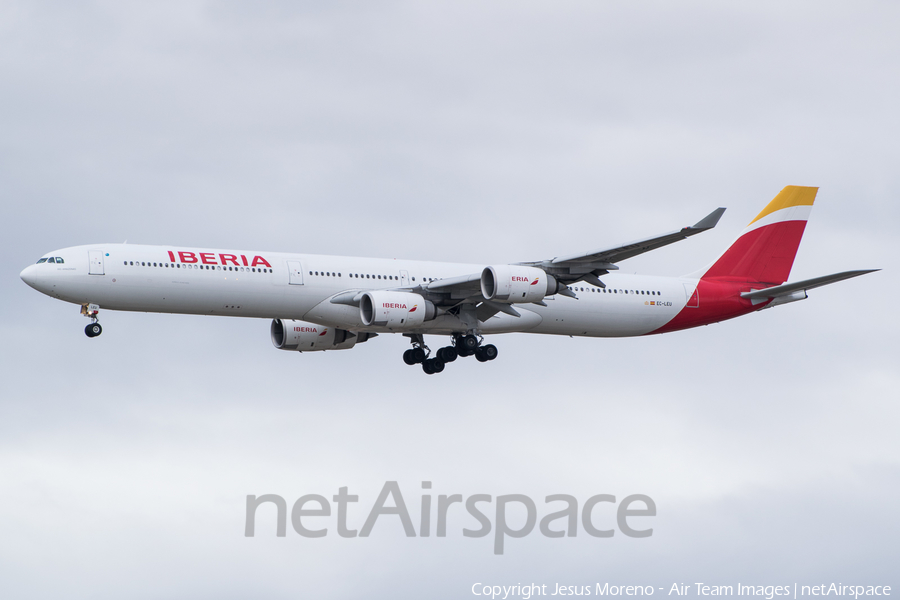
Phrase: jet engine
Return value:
(308, 337)
(395, 310)
(517, 284)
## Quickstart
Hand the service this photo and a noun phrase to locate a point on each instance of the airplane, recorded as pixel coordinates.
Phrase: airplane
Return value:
(319, 302)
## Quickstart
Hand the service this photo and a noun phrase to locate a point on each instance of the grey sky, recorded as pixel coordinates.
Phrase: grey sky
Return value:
(464, 131)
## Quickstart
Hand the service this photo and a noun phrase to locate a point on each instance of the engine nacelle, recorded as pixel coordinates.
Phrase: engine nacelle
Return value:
(394, 310)
(308, 337)
(515, 283)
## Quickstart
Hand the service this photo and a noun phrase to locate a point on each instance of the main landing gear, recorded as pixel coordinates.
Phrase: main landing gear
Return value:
(420, 354)
(463, 345)
(90, 311)
(469, 345)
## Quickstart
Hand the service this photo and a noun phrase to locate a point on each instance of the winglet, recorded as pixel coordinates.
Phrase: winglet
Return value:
(710, 220)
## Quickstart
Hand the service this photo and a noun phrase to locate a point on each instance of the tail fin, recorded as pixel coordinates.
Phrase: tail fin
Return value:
(765, 250)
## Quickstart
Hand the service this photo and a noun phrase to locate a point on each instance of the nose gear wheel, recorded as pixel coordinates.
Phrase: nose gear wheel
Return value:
(90, 311)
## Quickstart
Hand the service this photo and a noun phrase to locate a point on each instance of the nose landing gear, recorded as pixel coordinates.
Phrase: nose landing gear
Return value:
(90, 311)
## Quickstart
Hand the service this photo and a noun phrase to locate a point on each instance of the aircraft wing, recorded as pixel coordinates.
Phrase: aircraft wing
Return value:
(584, 266)
(589, 266)
(455, 288)
(605, 257)
(463, 284)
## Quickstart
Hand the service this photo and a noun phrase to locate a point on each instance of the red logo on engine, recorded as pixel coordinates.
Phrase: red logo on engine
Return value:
(393, 305)
(413, 309)
(536, 279)
(324, 331)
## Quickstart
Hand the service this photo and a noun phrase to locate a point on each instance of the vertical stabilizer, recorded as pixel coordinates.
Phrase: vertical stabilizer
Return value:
(765, 250)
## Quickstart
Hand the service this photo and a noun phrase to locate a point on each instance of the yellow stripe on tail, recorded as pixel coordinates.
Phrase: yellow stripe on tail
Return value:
(792, 195)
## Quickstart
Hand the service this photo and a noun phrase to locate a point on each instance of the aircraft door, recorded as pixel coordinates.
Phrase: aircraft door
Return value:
(404, 278)
(295, 270)
(96, 262)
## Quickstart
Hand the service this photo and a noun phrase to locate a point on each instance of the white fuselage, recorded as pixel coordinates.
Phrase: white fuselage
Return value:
(300, 287)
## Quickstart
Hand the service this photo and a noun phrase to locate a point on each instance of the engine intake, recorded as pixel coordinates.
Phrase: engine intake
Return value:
(516, 284)
(309, 337)
(395, 310)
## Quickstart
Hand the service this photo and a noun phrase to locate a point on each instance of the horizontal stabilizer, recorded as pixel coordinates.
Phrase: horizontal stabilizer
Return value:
(808, 284)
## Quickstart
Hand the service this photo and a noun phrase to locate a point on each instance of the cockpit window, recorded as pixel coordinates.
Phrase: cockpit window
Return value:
(51, 260)
(43, 260)
(59, 260)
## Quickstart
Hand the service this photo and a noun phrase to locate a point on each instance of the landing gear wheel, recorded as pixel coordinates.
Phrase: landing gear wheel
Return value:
(489, 351)
(93, 330)
(418, 355)
(469, 342)
(479, 355)
(432, 366)
(408, 357)
(447, 355)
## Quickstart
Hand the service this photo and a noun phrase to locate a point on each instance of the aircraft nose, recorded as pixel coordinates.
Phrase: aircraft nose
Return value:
(29, 276)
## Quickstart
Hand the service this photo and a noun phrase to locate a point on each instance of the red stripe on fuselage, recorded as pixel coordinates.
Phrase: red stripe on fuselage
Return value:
(719, 300)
